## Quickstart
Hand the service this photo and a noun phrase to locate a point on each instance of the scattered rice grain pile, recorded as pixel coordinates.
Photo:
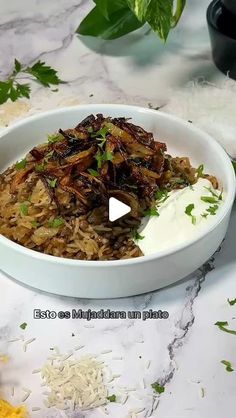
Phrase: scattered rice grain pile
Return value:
(75, 383)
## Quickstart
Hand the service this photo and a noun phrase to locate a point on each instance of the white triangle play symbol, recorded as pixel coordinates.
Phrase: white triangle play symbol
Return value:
(117, 209)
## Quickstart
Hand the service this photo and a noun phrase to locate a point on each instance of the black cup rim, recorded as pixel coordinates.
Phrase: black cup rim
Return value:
(211, 22)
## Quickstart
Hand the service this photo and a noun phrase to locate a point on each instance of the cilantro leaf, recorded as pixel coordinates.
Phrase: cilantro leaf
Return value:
(136, 236)
(35, 224)
(199, 171)
(56, 223)
(222, 326)
(93, 172)
(101, 136)
(53, 183)
(151, 212)
(40, 167)
(23, 326)
(24, 208)
(20, 164)
(232, 302)
(228, 365)
(55, 138)
(188, 211)
(18, 66)
(44, 74)
(112, 398)
(161, 195)
(212, 209)
(158, 388)
(209, 199)
(103, 156)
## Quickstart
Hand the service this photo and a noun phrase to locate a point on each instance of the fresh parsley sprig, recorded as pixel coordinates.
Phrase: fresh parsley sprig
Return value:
(12, 89)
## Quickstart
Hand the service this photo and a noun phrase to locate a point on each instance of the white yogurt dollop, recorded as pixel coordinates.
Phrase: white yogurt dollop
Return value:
(174, 226)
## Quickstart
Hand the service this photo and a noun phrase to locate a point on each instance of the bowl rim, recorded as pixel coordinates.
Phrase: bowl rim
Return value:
(226, 207)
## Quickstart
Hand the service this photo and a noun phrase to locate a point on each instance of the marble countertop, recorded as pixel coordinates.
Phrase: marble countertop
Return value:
(183, 352)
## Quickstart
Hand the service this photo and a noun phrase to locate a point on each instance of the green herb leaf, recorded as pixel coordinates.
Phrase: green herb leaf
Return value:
(212, 209)
(18, 66)
(22, 90)
(101, 133)
(204, 215)
(55, 138)
(35, 224)
(23, 326)
(158, 388)
(21, 164)
(24, 208)
(53, 183)
(93, 172)
(136, 235)
(112, 398)
(40, 167)
(209, 199)
(44, 74)
(120, 23)
(188, 211)
(161, 195)
(222, 326)
(217, 196)
(103, 156)
(151, 212)
(232, 302)
(228, 365)
(200, 171)
(56, 223)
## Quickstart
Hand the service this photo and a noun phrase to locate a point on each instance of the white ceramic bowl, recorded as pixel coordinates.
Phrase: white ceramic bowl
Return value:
(109, 279)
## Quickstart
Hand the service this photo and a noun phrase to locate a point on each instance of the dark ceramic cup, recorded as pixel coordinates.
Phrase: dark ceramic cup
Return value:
(230, 5)
(222, 30)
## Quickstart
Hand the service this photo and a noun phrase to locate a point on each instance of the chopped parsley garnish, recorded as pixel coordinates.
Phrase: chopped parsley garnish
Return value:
(222, 326)
(188, 211)
(41, 167)
(23, 326)
(136, 235)
(204, 215)
(35, 224)
(24, 208)
(228, 365)
(55, 138)
(209, 199)
(112, 398)
(56, 223)
(158, 388)
(101, 136)
(103, 156)
(212, 209)
(53, 183)
(151, 212)
(218, 197)
(199, 171)
(21, 164)
(93, 172)
(232, 302)
(161, 195)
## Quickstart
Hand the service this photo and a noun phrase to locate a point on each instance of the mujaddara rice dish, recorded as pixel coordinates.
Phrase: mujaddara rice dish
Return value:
(55, 200)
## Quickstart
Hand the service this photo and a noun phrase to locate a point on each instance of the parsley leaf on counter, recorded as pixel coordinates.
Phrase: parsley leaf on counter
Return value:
(12, 89)
(158, 388)
(112, 398)
(232, 302)
(222, 326)
(228, 365)
(23, 326)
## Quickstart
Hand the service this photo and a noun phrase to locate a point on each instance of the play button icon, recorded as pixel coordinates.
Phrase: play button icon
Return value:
(117, 209)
